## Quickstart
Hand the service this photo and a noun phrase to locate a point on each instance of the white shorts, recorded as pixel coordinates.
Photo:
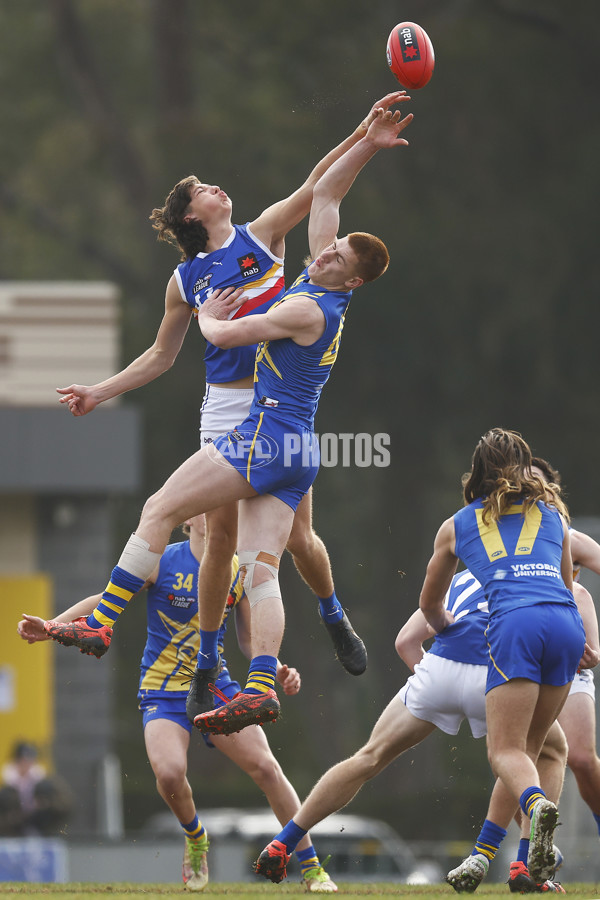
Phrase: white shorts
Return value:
(222, 410)
(583, 683)
(445, 692)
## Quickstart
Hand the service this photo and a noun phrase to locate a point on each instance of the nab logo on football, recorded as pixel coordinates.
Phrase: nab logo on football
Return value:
(248, 265)
(409, 45)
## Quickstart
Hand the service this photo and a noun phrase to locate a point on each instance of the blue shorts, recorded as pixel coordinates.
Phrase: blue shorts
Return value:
(274, 457)
(542, 642)
(161, 707)
(154, 705)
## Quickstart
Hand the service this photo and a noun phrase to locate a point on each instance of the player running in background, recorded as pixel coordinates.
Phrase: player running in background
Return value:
(512, 534)
(171, 645)
(448, 686)
(469, 874)
(300, 339)
(196, 218)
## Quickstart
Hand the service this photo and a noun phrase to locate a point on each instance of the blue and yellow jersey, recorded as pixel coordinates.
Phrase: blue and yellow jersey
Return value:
(517, 559)
(289, 378)
(464, 640)
(173, 640)
(242, 261)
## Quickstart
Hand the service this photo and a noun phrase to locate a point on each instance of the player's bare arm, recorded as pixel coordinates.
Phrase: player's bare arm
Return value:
(335, 183)
(82, 399)
(31, 628)
(566, 565)
(409, 640)
(277, 220)
(585, 551)
(440, 569)
(299, 318)
(587, 611)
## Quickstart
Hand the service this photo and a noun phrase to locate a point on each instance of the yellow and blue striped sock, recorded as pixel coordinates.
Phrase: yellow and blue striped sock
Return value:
(529, 798)
(194, 829)
(489, 840)
(308, 859)
(261, 675)
(119, 591)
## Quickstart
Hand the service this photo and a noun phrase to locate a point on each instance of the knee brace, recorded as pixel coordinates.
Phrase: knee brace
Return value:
(249, 559)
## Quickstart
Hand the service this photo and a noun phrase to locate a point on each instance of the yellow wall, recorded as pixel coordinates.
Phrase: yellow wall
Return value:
(26, 670)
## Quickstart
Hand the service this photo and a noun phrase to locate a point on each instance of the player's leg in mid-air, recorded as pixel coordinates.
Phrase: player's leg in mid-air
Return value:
(205, 481)
(312, 562)
(214, 581)
(264, 527)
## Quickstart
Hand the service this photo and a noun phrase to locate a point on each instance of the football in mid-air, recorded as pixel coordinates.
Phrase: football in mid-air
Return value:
(410, 55)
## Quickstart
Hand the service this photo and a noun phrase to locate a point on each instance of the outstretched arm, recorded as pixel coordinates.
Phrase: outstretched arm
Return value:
(82, 398)
(409, 641)
(274, 223)
(333, 186)
(440, 569)
(587, 611)
(301, 320)
(585, 551)
(31, 628)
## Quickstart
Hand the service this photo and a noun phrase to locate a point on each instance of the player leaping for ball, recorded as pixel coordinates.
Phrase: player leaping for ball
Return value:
(197, 219)
(300, 339)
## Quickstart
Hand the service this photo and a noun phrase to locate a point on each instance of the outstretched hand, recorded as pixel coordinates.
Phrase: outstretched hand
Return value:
(79, 397)
(31, 629)
(222, 303)
(386, 126)
(384, 103)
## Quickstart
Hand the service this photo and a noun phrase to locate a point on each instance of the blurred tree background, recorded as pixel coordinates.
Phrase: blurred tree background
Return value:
(486, 317)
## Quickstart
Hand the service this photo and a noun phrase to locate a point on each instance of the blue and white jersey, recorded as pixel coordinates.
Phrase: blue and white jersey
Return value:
(516, 559)
(464, 640)
(242, 261)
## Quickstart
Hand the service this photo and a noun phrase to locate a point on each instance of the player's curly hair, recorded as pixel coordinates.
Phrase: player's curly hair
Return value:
(190, 238)
(501, 475)
(372, 254)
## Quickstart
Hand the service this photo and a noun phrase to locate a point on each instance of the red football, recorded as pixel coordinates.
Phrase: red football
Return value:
(410, 55)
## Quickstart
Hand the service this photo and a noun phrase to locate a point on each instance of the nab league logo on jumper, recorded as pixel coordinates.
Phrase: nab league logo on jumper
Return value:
(248, 265)
(180, 602)
(409, 45)
(202, 283)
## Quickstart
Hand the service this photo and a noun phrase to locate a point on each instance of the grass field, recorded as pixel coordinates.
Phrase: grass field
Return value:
(243, 891)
